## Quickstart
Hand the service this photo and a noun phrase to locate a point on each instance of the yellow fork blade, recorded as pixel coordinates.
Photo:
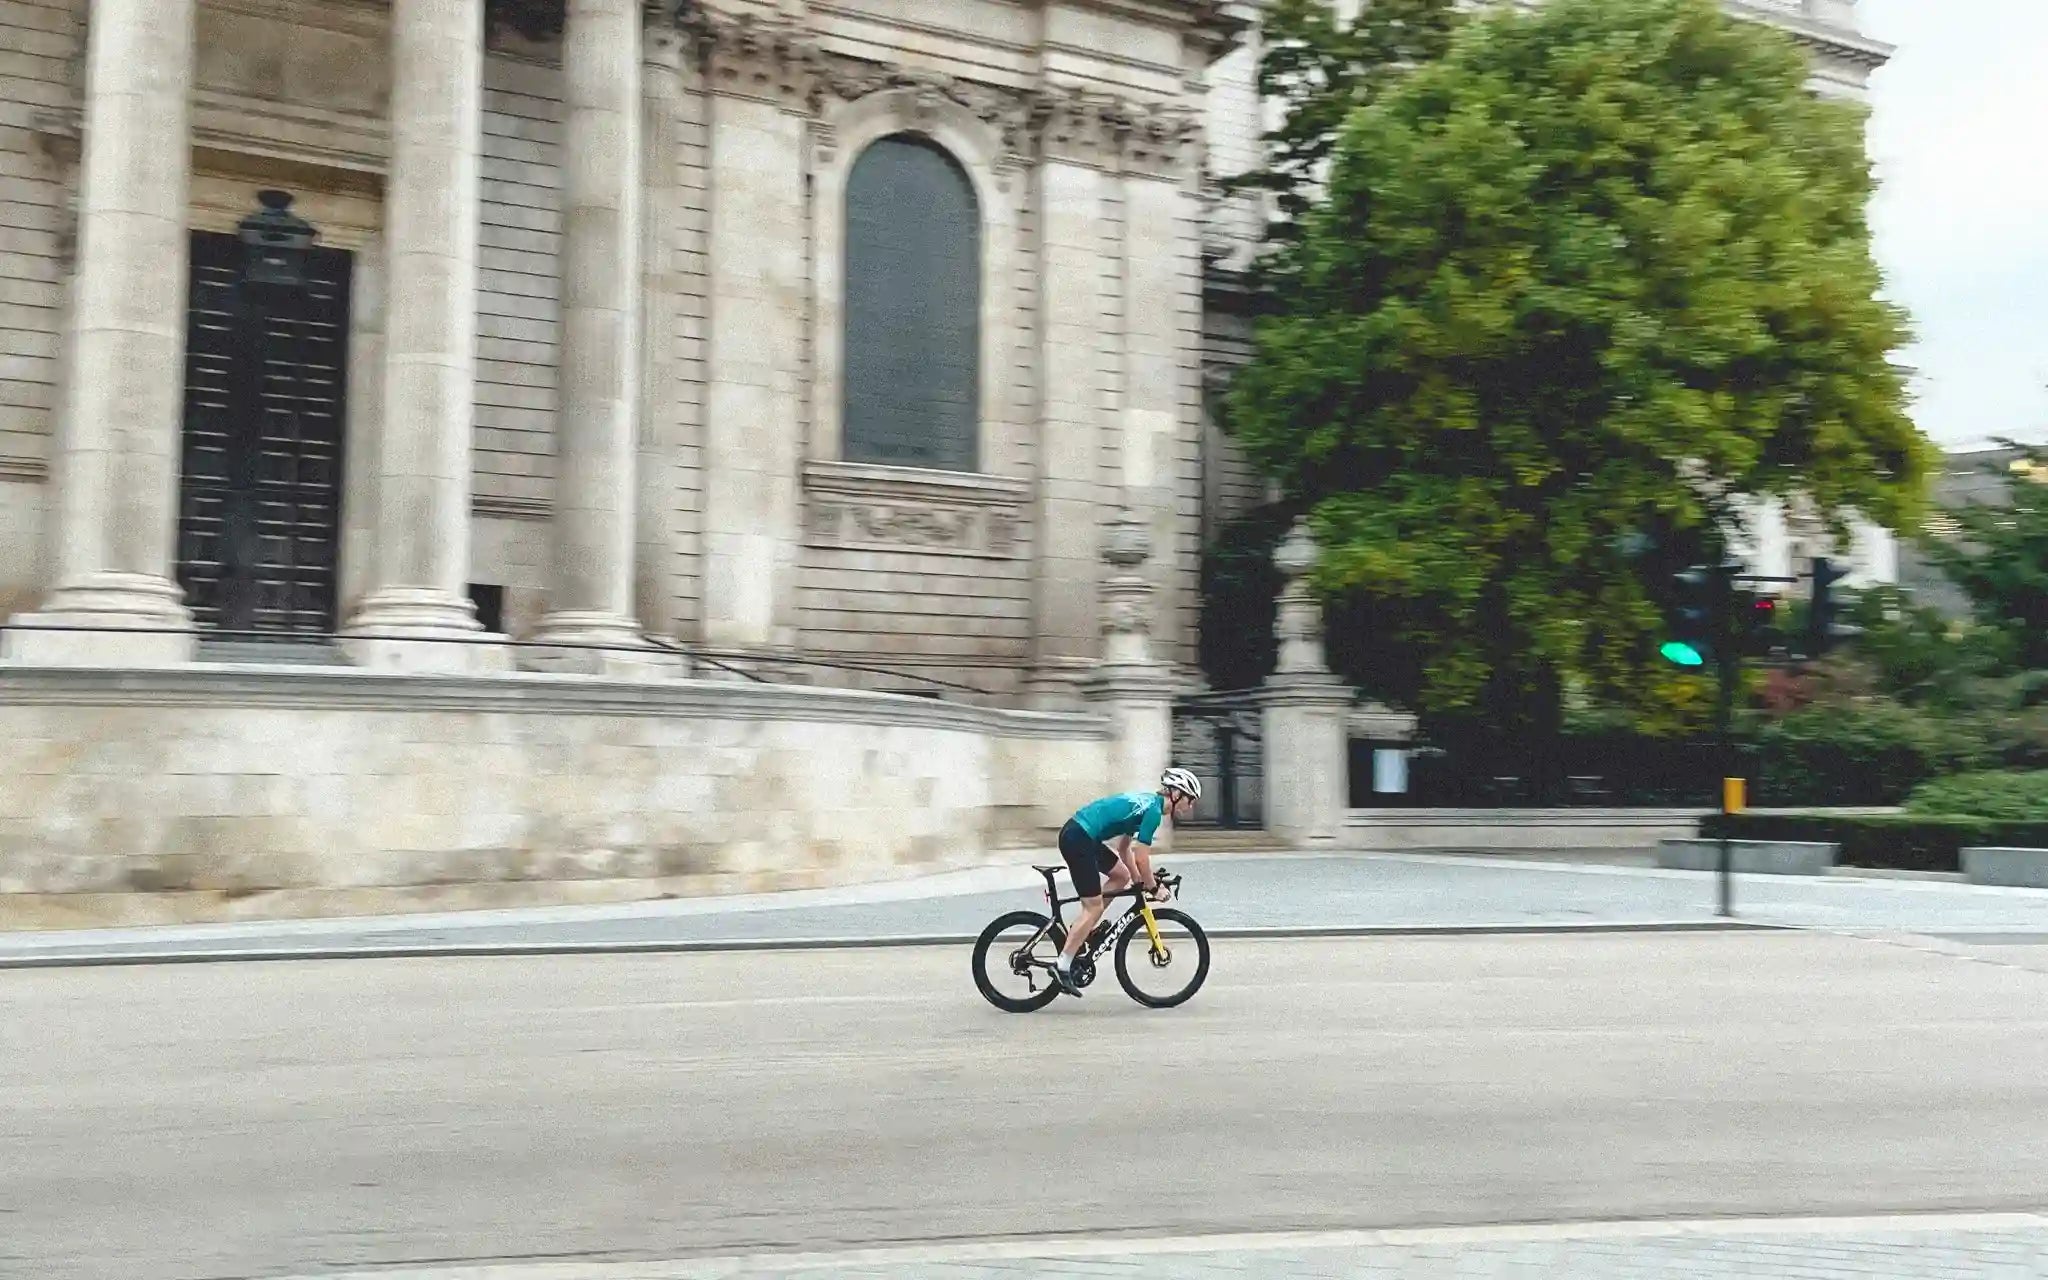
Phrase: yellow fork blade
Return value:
(1151, 925)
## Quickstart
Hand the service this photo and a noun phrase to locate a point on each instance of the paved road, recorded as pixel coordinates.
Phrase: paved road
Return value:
(173, 1123)
(1392, 891)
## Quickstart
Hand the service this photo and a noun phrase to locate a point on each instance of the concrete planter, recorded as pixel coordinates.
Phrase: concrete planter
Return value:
(2027, 868)
(1750, 857)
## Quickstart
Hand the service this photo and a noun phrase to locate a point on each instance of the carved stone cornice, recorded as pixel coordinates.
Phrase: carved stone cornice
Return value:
(1073, 125)
(1162, 140)
(766, 58)
(774, 58)
(1008, 111)
(1080, 127)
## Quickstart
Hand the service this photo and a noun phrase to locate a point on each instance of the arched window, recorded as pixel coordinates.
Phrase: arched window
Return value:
(913, 308)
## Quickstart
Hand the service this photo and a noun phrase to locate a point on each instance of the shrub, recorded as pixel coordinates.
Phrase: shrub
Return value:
(1863, 754)
(1999, 796)
(1903, 843)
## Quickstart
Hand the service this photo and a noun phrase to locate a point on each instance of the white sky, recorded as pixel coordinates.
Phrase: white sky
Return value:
(1959, 136)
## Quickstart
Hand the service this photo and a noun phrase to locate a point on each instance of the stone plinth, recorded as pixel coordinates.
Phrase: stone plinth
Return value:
(1307, 757)
(2026, 868)
(1749, 857)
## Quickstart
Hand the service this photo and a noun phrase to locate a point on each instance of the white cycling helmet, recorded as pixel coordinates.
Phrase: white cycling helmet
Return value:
(1182, 781)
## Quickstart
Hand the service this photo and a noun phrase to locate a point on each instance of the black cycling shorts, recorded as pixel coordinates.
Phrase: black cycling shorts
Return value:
(1088, 859)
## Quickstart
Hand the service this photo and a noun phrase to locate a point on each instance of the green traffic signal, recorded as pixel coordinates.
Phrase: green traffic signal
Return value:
(1696, 596)
(1679, 653)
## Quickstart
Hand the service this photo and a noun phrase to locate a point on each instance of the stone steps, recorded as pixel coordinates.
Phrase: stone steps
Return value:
(1223, 840)
(282, 651)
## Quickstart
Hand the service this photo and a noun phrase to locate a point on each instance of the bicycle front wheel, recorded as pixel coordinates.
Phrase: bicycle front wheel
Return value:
(1163, 977)
(1002, 956)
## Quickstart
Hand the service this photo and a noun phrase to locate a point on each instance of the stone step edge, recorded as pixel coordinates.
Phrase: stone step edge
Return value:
(225, 955)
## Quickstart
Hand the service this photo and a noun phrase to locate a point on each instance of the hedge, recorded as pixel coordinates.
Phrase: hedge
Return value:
(1902, 843)
(1861, 755)
(2018, 796)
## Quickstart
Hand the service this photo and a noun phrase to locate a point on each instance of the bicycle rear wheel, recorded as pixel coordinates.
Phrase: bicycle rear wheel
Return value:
(999, 971)
(1163, 981)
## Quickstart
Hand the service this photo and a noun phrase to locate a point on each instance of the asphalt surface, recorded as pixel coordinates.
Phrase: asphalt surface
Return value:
(1224, 891)
(182, 1122)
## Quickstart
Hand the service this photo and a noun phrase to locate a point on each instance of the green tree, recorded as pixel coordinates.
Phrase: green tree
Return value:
(2000, 558)
(1915, 654)
(1319, 68)
(1598, 271)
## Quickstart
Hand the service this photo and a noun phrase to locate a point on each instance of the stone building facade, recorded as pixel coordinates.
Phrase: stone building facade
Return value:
(575, 347)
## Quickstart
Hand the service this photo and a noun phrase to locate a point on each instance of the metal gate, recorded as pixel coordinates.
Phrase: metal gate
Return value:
(259, 510)
(1217, 736)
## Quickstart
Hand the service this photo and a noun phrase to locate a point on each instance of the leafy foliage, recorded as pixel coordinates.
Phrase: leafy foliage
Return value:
(1240, 599)
(1595, 271)
(1915, 654)
(1857, 754)
(2006, 796)
(2001, 559)
(1319, 68)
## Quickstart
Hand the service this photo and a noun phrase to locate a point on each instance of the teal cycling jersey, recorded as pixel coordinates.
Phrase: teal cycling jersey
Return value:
(1133, 813)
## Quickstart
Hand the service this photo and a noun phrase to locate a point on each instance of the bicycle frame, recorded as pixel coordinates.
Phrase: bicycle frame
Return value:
(1114, 930)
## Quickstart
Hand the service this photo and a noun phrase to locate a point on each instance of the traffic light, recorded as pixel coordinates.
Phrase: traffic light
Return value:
(1759, 620)
(1690, 643)
(1823, 626)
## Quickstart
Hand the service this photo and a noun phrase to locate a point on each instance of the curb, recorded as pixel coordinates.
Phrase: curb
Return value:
(225, 955)
(1113, 1253)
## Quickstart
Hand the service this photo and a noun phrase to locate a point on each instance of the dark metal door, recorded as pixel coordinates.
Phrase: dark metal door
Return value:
(259, 512)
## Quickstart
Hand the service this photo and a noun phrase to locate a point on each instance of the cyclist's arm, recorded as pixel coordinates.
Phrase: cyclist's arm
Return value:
(1122, 849)
(1142, 872)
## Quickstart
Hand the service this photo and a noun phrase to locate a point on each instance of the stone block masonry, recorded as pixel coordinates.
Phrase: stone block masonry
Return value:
(242, 781)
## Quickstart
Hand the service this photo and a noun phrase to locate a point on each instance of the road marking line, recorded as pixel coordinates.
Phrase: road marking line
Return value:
(717, 1267)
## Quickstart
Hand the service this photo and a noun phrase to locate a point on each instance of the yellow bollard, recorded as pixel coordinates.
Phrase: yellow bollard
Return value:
(1732, 796)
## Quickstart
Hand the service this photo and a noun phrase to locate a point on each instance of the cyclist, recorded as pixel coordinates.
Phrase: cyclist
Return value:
(1086, 844)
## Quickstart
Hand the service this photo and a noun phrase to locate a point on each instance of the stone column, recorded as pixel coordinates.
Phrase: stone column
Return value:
(661, 95)
(1303, 710)
(1130, 684)
(1161, 332)
(365, 425)
(1070, 188)
(590, 595)
(116, 475)
(418, 600)
(753, 437)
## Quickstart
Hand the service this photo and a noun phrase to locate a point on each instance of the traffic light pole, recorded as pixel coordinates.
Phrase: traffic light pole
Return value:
(1727, 670)
(1728, 652)
(1724, 735)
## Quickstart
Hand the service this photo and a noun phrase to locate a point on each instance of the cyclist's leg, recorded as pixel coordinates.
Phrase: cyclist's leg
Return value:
(1084, 857)
(1116, 877)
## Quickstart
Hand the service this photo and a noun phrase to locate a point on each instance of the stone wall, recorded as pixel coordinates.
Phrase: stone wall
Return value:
(244, 781)
(518, 319)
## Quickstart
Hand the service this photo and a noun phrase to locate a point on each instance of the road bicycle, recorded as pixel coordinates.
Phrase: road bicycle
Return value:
(1166, 946)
